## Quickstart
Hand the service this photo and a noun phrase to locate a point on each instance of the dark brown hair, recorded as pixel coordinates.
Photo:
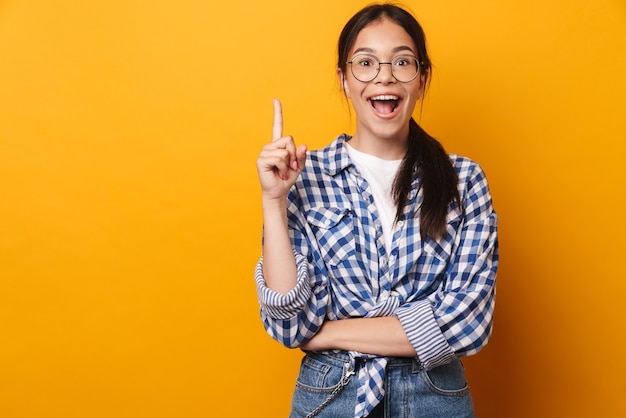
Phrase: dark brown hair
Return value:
(425, 156)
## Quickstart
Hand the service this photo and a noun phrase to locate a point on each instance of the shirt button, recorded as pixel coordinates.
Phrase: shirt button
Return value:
(400, 224)
(391, 259)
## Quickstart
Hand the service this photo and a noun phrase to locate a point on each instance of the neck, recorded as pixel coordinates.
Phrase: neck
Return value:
(391, 148)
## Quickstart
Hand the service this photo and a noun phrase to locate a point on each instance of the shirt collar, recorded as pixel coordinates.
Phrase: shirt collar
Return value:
(336, 158)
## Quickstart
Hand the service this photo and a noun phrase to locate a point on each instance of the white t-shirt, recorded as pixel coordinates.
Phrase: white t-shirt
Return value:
(379, 174)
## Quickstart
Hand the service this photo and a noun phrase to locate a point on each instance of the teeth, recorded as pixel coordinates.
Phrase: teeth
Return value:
(384, 97)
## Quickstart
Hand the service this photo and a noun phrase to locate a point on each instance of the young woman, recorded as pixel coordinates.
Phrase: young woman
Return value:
(380, 250)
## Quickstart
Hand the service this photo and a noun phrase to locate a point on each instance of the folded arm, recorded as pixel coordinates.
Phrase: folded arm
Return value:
(380, 336)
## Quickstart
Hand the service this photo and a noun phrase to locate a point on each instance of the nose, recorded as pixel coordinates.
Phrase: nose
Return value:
(385, 75)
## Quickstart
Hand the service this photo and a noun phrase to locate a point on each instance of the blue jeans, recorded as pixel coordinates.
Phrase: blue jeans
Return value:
(410, 391)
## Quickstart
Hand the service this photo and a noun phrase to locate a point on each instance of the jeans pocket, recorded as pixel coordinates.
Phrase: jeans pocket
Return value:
(448, 379)
(318, 377)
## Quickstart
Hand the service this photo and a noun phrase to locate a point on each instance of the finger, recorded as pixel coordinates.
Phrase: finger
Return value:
(276, 165)
(277, 160)
(287, 143)
(277, 128)
(284, 143)
(286, 148)
(300, 158)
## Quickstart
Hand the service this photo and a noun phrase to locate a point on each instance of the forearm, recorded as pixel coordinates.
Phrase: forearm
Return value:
(279, 165)
(382, 336)
(279, 265)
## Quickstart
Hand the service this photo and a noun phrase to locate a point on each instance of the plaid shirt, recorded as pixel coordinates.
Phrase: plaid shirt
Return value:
(443, 292)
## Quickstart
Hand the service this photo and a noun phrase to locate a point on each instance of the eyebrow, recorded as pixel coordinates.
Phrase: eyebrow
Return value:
(393, 51)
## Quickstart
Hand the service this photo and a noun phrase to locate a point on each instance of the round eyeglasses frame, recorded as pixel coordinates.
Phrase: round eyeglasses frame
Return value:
(391, 66)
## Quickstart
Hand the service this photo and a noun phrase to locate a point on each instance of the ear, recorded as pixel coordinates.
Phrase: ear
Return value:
(343, 82)
(422, 85)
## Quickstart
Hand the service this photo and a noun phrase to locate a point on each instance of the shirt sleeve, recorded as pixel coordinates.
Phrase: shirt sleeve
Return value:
(294, 318)
(457, 319)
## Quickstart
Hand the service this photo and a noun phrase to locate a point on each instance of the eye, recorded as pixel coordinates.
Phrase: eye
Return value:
(364, 62)
(404, 62)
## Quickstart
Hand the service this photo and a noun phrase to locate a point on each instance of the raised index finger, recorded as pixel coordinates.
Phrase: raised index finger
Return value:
(277, 128)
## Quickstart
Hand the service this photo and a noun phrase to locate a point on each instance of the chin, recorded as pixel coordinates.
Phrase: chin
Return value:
(393, 129)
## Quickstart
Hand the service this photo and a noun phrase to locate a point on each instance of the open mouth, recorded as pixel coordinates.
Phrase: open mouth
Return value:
(385, 103)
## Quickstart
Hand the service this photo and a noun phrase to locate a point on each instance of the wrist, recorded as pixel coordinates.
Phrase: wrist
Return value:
(273, 203)
(274, 212)
(328, 336)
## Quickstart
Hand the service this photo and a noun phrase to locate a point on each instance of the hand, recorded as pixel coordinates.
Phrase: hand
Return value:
(280, 162)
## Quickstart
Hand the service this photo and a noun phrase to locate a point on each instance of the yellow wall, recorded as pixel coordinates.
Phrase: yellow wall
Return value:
(130, 217)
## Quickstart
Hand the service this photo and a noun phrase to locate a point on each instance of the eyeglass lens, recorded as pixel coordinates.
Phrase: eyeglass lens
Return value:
(366, 67)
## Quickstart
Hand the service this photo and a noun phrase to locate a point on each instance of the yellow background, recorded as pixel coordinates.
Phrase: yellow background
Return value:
(130, 217)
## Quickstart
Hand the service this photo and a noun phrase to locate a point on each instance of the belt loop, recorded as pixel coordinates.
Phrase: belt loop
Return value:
(417, 365)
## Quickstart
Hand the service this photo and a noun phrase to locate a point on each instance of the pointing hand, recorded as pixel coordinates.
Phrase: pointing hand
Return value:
(280, 161)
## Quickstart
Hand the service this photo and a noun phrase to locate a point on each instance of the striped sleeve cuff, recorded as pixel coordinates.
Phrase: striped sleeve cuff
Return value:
(422, 330)
(278, 306)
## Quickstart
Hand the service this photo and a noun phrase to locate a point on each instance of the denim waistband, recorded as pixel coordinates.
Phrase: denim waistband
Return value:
(341, 357)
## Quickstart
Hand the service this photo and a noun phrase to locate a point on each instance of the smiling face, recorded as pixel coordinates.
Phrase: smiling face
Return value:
(383, 105)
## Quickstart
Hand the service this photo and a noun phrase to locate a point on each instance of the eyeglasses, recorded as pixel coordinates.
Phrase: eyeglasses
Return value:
(365, 67)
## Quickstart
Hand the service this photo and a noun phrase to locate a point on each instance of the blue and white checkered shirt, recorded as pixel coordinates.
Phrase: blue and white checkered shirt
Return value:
(442, 291)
